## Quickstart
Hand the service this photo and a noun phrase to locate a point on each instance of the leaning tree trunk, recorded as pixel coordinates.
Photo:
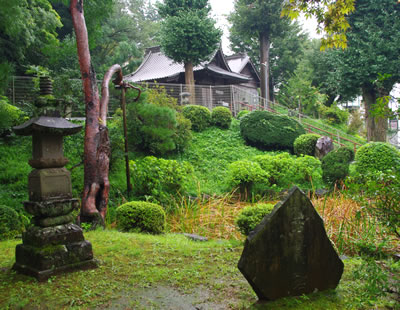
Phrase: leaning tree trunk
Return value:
(377, 126)
(97, 144)
(264, 61)
(189, 81)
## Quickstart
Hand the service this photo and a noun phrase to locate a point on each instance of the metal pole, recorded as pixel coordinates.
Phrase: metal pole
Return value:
(123, 105)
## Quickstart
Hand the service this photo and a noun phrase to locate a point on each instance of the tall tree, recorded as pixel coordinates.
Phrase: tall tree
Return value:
(188, 34)
(286, 52)
(97, 144)
(27, 31)
(369, 66)
(259, 20)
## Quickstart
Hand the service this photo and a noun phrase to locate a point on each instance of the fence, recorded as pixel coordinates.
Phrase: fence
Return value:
(237, 98)
(234, 97)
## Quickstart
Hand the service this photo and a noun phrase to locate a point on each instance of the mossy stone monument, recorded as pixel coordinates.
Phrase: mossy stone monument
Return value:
(53, 244)
(289, 253)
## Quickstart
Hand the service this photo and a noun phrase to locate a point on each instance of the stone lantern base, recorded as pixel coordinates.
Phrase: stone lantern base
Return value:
(53, 245)
(52, 250)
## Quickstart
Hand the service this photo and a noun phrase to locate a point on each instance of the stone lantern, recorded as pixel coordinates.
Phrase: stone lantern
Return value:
(53, 244)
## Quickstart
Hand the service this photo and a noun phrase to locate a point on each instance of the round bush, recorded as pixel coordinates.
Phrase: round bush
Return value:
(140, 216)
(251, 216)
(242, 113)
(10, 223)
(199, 116)
(347, 154)
(269, 131)
(377, 156)
(221, 117)
(244, 173)
(159, 179)
(335, 165)
(305, 144)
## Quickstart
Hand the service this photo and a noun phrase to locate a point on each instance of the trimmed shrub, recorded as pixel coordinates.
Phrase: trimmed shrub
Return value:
(269, 131)
(221, 117)
(140, 216)
(199, 116)
(335, 165)
(159, 179)
(285, 170)
(183, 133)
(242, 113)
(251, 216)
(305, 144)
(245, 174)
(377, 156)
(10, 223)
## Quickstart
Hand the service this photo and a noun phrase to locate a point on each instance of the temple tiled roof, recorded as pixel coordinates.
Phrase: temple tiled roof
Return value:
(158, 66)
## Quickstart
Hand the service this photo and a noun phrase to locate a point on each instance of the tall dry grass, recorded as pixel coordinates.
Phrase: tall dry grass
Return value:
(347, 224)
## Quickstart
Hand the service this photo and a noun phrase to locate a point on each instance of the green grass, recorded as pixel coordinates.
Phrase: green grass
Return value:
(210, 153)
(139, 271)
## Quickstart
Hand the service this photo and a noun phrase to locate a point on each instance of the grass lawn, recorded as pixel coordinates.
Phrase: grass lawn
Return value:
(139, 271)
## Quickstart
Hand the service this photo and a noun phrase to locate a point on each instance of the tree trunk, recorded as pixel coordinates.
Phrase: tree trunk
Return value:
(264, 60)
(189, 81)
(97, 143)
(376, 125)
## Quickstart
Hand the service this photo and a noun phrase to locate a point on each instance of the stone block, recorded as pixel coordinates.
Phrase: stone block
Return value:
(52, 208)
(289, 253)
(43, 262)
(48, 184)
(63, 234)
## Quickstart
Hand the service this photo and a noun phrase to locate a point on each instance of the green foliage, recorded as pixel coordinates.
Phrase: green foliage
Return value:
(9, 116)
(298, 91)
(377, 156)
(334, 115)
(27, 30)
(210, 153)
(244, 174)
(140, 216)
(251, 216)
(157, 128)
(356, 123)
(6, 72)
(199, 116)
(154, 125)
(158, 179)
(189, 36)
(270, 131)
(10, 223)
(379, 193)
(174, 7)
(305, 144)
(335, 165)
(183, 133)
(242, 113)
(221, 117)
(285, 171)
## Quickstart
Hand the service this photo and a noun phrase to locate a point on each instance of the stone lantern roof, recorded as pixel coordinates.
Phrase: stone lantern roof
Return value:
(47, 125)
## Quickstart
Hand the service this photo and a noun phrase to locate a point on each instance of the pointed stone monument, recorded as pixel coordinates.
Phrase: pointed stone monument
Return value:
(289, 253)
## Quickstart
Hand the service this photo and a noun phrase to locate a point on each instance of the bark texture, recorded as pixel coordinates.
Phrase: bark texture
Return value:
(97, 143)
(264, 59)
(376, 126)
(189, 80)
